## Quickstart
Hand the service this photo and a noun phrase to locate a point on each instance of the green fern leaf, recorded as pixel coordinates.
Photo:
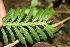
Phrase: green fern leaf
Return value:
(44, 14)
(34, 33)
(48, 31)
(20, 36)
(50, 13)
(51, 28)
(4, 36)
(41, 33)
(7, 18)
(21, 14)
(11, 33)
(12, 14)
(37, 15)
(27, 35)
(29, 14)
(16, 13)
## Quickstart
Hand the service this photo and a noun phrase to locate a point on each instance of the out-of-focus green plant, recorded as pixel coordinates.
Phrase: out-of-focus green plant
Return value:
(58, 46)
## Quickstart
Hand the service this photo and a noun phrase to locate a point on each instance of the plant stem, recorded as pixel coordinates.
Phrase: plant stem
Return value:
(24, 24)
(61, 22)
(67, 12)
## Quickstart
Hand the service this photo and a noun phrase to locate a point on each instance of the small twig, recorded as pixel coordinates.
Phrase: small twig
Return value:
(64, 6)
(67, 12)
(51, 5)
(61, 22)
(12, 44)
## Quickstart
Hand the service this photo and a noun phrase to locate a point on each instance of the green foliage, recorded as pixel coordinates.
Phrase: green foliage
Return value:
(24, 26)
(60, 32)
(58, 45)
(4, 36)
(34, 2)
(28, 24)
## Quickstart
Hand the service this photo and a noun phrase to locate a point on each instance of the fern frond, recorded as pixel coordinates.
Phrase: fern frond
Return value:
(28, 26)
